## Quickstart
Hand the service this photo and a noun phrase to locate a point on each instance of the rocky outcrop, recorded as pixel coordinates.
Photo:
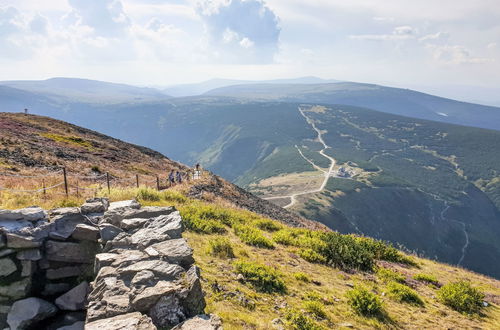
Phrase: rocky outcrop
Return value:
(141, 271)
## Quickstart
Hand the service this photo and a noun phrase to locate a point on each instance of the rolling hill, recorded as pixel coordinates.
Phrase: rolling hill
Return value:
(397, 101)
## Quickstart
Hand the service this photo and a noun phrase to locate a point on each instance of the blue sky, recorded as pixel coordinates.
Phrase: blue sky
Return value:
(437, 46)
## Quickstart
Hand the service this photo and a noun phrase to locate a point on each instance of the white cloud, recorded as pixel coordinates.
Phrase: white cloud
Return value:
(492, 45)
(398, 33)
(246, 43)
(456, 55)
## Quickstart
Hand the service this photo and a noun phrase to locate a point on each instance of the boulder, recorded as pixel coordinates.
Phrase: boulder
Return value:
(175, 251)
(64, 224)
(64, 272)
(74, 299)
(85, 232)
(116, 216)
(144, 277)
(79, 325)
(121, 205)
(16, 290)
(109, 231)
(134, 223)
(15, 241)
(95, 205)
(150, 295)
(71, 252)
(158, 229)
(32, 254)
(27, 312)
(14, 225)
(191, 295)
(28, 268)
(33, 213)
(201, 322)
(130, 321)
(7, 267)
(167, 312)
(160, 268)
(109, 297)
(6, 252)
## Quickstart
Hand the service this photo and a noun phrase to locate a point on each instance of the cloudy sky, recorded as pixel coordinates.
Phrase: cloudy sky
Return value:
(445, 45)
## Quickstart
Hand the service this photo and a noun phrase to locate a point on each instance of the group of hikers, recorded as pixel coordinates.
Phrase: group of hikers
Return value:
(177, 177)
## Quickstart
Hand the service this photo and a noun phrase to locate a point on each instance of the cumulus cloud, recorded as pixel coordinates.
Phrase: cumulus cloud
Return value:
(241, 30)
(106, 17)
(456, 54)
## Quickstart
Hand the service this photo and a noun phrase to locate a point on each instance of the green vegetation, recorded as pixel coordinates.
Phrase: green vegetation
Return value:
(298, 321)
(312, 256)
(220, 247)
(462, 297)
(253, 236)
(263, 278)
(315, 308)
(403, 293)
(74, 141)
(267, 225)
(364, 302)
(299, 276)
(431, 279)
(388, 275)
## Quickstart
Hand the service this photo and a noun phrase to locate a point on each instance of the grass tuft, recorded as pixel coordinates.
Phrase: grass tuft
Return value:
(253, 236)
(403, 293)
(462, 297)
(364, 302)
(220, 247)
(263, 278)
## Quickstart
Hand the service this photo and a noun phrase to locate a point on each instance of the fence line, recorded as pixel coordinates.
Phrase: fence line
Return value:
(106, 177)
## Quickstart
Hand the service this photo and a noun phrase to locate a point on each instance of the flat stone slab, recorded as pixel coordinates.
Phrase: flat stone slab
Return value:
(124, 205)
(175, 251)
(16, 290)
(70, 252)
(201, 322)
(27, 312)
(85, 232)
(130, 321)
(74, 299)
(15, 241)
(64, 272)
(27, 214)
(7, 267)
(32, 254)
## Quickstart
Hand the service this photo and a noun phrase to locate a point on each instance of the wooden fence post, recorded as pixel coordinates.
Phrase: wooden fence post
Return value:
(157, 183)
(44, 190)
(137, 180)
(65, 181)
(107, 181)
(77, 191)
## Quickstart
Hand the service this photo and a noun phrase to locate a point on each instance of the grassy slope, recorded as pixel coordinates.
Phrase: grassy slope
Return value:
(241, 306)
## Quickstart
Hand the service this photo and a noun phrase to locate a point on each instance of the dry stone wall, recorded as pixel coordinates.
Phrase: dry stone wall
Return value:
(101, 266)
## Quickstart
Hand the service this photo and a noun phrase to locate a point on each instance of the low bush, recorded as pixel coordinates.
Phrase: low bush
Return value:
(312, 256)
(462, 297)
(298, 321)
(402, 293)
(384, 251)
(299, 276)
(364, 302)
(388, 275)
(267, 225)
(204, 218)
(252, 236)
(220, 247)
(148, 194)
(315, 308)
(431, 279)
(262, 278)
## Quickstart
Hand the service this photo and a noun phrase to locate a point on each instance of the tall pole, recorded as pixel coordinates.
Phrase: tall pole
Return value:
(44, 190)
(157, 183)
(137, 180)
(65, 181)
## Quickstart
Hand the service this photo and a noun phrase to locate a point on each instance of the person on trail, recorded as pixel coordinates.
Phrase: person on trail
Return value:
(196, 174)
(171, 178)
(179, 177)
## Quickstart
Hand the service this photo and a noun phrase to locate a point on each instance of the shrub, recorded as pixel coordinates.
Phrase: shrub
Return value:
(220, 247)
(384, 251)
(312, 256)
(364, 302)
(315, 308)
(301, 277)
(148, 194)
(287, 236)
(344, 251)
(387, 275)
(462, 297)
(173, 196)
(402, 293)
(297, 320)
(431, 279)
(252, 236)
(267, 225)
(203, 218)
(263, 278)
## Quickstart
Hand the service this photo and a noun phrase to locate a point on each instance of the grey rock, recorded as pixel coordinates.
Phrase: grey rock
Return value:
(27, 312)
(51, 289)
(15, 241)
(3, 241)
(79, 325)
(109, 297)
(130, 321)
(64, 272)
(27, 214)
(134, 223)
(109, 231)
(74, 299)
(160, 268)
(148, 212)
(144, 277)
(86, 233)
(129, 204)
(103, 260)
(167, 311)
(201, 322)
(6, 252)
(28, 268)
(191, 295)
(95, 205)
(64, 224)
(150, 295)
(159, 229)
(71, 252)
(14, 225)
(63, 211)
(175, 251)
(32, 254)
(16, 290)
(7, 267)
(278, 324)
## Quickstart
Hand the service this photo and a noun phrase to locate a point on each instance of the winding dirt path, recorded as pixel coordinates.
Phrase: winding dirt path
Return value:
(327, 174)
(464, 229)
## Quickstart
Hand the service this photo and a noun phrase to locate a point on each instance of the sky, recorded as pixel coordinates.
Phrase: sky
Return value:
(444, 47)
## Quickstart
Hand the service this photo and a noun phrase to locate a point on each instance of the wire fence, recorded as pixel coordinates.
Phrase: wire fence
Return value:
(63, 183)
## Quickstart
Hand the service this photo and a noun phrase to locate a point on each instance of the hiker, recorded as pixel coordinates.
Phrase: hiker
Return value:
(171, 178)
(179, 177)
(196, 174)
